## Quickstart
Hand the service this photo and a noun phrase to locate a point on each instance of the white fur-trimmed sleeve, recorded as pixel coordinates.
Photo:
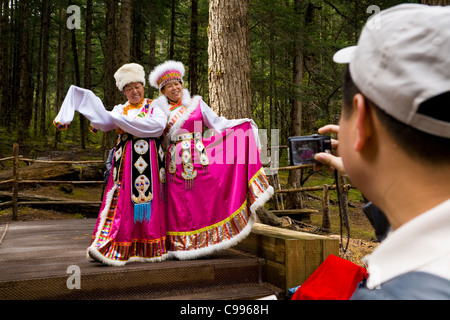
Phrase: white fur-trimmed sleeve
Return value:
(220, 124)
(88, 104)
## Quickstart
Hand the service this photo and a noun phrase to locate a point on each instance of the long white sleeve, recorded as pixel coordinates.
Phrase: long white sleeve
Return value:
(87, 103)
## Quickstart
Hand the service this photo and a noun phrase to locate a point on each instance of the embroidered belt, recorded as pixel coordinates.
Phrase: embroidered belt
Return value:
(141, 172)
(185, 139)
(188, 136)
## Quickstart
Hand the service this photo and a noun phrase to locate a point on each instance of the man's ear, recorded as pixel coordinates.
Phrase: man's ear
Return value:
(363, 121)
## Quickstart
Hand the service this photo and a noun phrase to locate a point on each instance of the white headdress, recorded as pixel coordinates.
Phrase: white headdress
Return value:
(129, 73)
(165, 72)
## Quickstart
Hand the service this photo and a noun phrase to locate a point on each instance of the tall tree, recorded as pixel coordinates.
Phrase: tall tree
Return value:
(124, 31)
(37, 95)
(76, 65)
(87, 65)
(229, 58)
(193, 49)
(88, 47)
(61, 69)
(1, 51)
(4, 63)
(138, 30)
(152, 41)
(45, 45)
(296, 111)
(109, 86)
(116, 53)
(25, 77)
(172, 29)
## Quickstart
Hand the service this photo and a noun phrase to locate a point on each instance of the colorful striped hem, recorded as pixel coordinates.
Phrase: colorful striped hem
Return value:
(258, 186)
(125, 251)
(211, 235)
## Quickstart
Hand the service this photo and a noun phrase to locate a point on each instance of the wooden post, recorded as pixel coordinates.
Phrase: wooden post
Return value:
(326, 225)
(15, 190)
(345, 189)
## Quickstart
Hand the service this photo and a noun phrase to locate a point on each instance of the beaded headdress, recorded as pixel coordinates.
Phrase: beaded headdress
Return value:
(166, 72)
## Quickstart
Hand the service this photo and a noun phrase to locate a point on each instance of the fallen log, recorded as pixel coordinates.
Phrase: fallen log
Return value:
(25, 199)
(62, 172)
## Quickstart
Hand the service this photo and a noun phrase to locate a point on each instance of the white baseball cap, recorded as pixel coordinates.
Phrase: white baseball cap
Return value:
(403, 60)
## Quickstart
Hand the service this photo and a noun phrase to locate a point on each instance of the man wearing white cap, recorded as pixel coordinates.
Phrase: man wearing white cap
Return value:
(394, 146)
(131, 223)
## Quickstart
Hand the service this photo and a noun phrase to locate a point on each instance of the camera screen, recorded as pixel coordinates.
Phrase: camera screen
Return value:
(303, 149)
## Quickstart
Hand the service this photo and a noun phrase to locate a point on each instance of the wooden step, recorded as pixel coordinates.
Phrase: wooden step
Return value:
(38, 258)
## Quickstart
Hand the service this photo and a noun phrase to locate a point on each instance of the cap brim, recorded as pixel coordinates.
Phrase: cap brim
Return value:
(344, 55)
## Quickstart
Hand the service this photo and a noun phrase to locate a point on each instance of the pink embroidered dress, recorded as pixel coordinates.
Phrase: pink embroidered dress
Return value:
(214, 184)
(131, 223)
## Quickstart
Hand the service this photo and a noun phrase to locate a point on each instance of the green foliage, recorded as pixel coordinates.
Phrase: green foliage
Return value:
(280, 31)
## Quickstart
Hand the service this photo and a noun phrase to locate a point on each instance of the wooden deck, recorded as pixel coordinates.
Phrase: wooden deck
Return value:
(38, 259)
(35, 261)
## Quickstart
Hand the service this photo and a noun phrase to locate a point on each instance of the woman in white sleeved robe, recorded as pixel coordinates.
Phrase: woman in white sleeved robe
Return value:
(131, 223)
(214, 184)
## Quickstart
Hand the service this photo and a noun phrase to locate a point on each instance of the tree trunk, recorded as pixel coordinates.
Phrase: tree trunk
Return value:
(45, 46)
(271, 80)
(138, 28)
(172, 31)
(4, 84)
(152, 44)
(124, 33)
(229, 58)
(37, 97)
(61, 70)
(88, 46)
(87, 67)
(24, 81)
(5, 109)
(296, 111)
(110, 89)
(193, 49)
(78, 84)
(2, 57)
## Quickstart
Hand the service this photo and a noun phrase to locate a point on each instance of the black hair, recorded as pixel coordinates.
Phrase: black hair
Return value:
(429, 148)
(179, 81)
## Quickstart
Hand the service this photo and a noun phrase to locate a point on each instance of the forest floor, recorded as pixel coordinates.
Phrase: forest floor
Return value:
(362, 238)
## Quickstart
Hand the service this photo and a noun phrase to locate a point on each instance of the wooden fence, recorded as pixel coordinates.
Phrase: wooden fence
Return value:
(272, 173)
(280, 210)
(16, 182)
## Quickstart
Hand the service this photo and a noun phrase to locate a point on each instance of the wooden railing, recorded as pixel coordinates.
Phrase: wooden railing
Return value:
(279, 191)
(16, 182)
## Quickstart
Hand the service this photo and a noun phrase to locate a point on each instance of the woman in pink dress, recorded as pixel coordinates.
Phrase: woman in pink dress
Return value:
(215, 180)
(131, 223)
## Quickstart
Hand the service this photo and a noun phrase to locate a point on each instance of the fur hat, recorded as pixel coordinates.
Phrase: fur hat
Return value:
(165, 72)
(129, 73)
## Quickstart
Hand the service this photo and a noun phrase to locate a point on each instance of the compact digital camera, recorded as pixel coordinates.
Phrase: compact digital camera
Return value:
(302, 149)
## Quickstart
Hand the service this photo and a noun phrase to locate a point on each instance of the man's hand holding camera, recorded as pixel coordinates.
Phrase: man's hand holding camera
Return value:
(329, 160)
